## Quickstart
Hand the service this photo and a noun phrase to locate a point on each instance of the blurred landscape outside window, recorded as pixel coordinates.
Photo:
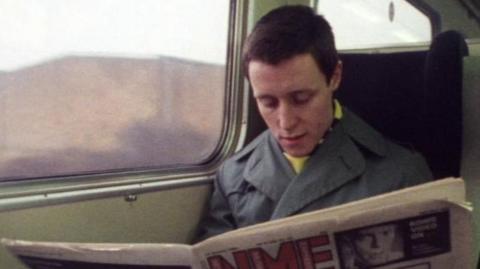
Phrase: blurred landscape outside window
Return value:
(90, 86)
(375, 23)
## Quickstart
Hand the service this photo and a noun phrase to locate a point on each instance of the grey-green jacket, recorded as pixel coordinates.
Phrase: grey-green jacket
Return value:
(257, 184)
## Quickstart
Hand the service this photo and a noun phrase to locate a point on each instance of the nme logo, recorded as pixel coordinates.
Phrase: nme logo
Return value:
(298, 254)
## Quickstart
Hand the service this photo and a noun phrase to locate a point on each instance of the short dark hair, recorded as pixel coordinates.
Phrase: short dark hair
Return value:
(289, 31)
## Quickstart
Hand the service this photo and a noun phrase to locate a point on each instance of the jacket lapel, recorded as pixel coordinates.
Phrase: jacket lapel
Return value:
(267, 170)
(334, 163)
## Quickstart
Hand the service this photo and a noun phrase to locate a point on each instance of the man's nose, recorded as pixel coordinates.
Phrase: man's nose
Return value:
(374, 243)
(287, 119)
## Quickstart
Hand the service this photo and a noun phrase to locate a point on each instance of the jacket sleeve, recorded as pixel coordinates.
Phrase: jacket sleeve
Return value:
(218, 218)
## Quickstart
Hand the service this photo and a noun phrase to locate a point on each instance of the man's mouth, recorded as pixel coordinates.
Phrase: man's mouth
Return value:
(291, 140)
(377, 258)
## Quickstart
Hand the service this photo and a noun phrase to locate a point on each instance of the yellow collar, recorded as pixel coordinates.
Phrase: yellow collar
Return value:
(337, 110)
(297, 163)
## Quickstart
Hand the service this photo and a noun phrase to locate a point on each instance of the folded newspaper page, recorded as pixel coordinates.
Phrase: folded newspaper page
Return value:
(431, 231)
(54, 255)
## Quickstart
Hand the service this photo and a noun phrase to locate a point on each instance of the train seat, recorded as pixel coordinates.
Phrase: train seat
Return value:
(414, 98)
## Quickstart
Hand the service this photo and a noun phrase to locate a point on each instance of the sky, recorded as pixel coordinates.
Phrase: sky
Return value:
(32, 31)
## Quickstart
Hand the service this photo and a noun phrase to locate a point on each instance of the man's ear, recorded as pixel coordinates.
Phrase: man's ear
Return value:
(336, 76)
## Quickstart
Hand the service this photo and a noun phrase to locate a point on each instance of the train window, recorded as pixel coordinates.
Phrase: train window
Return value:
(375, 23)
(89, 86)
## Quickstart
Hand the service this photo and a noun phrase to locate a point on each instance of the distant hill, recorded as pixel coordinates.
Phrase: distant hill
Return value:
(76, 114)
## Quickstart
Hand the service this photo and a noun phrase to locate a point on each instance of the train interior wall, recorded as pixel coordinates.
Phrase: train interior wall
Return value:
(470, 169)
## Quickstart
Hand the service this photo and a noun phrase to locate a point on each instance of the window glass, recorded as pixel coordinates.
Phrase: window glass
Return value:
(91, 86)
(375, 23)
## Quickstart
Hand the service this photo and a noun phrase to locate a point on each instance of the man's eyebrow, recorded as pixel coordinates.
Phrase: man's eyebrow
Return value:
(307, 90)
(262, 95)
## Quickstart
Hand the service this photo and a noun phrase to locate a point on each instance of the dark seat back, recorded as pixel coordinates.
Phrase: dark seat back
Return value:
(414, 98)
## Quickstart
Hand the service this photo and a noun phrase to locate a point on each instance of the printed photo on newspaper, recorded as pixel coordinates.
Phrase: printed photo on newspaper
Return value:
(392, 242)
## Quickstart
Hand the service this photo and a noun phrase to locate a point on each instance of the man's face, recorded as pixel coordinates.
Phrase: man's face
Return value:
(295, 101)
(375, 244)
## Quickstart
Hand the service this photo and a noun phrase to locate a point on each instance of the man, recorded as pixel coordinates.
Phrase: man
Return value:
(315, 153)
(372, 246)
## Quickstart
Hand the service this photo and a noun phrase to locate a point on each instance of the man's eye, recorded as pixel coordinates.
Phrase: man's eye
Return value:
(267, 102)
(301, 98)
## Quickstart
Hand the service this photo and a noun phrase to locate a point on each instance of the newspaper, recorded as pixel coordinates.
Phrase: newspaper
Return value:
(424, 227)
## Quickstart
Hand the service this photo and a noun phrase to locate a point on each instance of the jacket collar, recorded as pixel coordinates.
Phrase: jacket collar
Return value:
(363, 134)
(268, 170)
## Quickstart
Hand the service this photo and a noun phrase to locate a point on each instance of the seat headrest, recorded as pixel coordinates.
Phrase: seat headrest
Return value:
(413, 98)
(443, 103)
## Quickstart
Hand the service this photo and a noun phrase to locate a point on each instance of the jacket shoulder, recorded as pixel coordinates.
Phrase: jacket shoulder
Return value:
(390, 156)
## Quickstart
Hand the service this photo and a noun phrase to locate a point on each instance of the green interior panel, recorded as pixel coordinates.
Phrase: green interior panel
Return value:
(471, 147)
(166, 216)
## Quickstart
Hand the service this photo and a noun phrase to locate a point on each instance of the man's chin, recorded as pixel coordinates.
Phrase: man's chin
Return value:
(377, 259)
(297, 152)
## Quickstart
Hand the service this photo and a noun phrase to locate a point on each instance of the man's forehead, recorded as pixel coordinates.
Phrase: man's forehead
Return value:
(296, 74)
(378, 229)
